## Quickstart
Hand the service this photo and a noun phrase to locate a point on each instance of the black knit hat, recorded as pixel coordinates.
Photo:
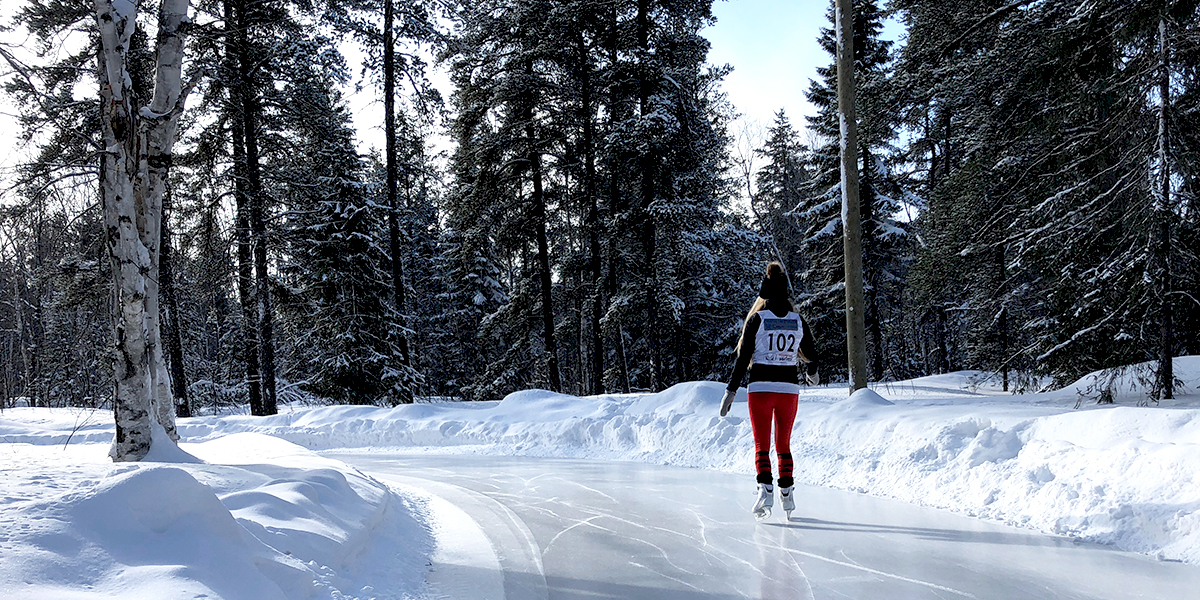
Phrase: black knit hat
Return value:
(774, 284)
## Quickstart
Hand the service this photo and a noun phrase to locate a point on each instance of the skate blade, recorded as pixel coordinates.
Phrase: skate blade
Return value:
(789, 515)
(762, 515)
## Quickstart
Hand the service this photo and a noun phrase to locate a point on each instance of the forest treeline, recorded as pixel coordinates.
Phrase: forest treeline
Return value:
(600, 222)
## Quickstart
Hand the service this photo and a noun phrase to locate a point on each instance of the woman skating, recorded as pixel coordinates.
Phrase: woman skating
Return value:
(775, 339)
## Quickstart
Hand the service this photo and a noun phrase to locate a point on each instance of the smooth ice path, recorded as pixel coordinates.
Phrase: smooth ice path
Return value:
(569, 529)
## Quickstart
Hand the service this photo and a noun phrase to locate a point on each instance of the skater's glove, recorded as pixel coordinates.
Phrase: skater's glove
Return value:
(727, 401)
(813, 378)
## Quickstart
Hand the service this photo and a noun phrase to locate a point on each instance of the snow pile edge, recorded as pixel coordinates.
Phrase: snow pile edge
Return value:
(1123, 476)
(246, 516)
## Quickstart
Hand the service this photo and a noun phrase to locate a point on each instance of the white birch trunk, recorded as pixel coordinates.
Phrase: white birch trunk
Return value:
(136, 160)
(160, 122)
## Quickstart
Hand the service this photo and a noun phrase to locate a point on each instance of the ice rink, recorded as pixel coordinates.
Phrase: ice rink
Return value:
(570, 529)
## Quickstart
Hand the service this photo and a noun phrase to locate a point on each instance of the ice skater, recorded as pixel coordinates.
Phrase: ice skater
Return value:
(774, 341)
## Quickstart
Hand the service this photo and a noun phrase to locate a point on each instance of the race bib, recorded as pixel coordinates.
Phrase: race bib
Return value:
(778, 339)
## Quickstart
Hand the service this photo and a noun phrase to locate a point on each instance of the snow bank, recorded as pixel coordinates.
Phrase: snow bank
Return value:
(1121, 475)
(245, 516)
(1118, 474)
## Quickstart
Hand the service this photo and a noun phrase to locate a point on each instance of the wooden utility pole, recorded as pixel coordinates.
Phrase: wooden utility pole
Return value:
(851, 227)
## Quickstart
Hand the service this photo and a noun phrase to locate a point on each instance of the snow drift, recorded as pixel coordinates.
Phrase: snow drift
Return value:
(1120, 475)
(243, 517)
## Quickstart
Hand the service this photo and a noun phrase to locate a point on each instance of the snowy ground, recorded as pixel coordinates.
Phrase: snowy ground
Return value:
(263, 518)
(246, 516)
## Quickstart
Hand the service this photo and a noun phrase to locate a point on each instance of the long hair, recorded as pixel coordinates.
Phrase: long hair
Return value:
(774, 275)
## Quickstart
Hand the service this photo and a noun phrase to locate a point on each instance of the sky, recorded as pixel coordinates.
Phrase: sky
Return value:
(771, 45)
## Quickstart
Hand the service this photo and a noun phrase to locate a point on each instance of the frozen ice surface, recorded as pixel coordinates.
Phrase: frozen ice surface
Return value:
(1119, 474)
(635, 531)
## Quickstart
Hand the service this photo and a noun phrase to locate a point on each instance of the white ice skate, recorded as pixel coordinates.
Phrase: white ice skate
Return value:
(787, 500)
(766, 497)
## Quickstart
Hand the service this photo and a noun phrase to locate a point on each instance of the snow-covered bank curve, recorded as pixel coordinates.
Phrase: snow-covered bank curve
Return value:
(1122, 475)
(244, 517)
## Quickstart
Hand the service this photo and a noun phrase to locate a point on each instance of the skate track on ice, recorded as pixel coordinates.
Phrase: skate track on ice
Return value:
(570, 529)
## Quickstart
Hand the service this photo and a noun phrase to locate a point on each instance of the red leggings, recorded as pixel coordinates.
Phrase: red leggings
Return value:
(764, 405)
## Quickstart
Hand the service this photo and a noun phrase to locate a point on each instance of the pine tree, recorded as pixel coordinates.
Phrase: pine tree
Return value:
(1060, 214)
(781, 183)
(503, 161)
(629, 202)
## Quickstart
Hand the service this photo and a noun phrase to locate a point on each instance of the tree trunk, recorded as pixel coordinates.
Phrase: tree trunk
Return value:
(942, 352)
(931, 180)
(19, 315)
(129, 259)
(39, 393)
(543, 258)
(647, 168)
(172, 334)
(241, 195)
(851, 228)
(947, 159)
(534, 160)
(1004, 344)
(392, 175)
(593, 225)
(875, 328)
(623, 361)
(257, 207)
(161, 124)
(616, 205)
(873, 323)
(1162, 219)
(137, 158)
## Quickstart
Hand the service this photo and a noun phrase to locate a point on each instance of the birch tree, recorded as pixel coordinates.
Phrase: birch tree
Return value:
(138, 144)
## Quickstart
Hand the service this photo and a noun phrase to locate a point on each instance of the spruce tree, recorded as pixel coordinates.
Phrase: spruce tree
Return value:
(353, 337)
(781, 183)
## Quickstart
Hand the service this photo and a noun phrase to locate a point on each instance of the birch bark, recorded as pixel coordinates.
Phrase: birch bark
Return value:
(137, 158)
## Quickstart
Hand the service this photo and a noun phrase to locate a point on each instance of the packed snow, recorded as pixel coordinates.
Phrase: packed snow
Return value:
(246, 509)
